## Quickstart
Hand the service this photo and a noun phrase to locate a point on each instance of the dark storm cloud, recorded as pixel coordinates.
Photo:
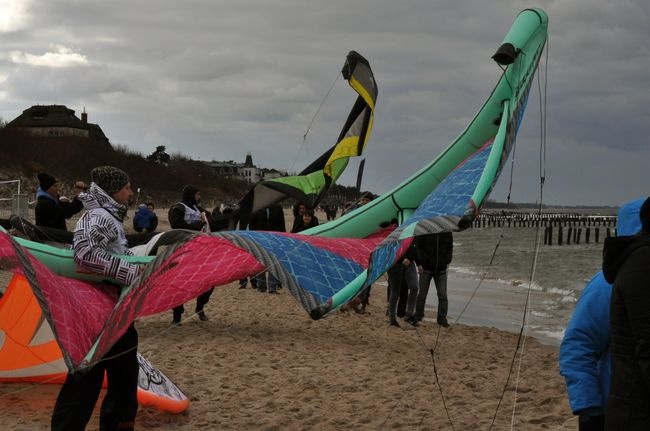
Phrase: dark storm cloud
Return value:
(215, 79)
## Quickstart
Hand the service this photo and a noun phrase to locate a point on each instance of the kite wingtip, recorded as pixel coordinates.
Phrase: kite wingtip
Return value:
(465, 223)
(317, 313)
(321, 310)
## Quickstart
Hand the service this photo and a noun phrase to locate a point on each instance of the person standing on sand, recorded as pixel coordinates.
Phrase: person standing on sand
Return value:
(403, 271)
(364, 296)
(145, 219)
(584, 358)
(268, 219)
(626, 264)
(98, 240)
(433, 255)
(188, 214)
(309, 220)
(50, 210)
(298, 210)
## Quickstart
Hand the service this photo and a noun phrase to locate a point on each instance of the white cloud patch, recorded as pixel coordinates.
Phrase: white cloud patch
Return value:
(59, 57)
(13, 15)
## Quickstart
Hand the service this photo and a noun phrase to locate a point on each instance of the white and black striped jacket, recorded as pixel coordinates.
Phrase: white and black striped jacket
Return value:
(99, 237)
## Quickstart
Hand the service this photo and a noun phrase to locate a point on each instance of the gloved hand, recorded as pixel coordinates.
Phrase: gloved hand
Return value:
(591, 419)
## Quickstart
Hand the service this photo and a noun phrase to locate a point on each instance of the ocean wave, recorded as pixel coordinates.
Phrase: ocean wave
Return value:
(541, 314)
(555, 335)
(465, 271)
(569, 298)
(561, 292)
(524, 284)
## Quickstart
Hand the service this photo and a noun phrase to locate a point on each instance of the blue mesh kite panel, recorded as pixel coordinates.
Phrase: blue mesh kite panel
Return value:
(316, 271)
(453, 194)
(440, 210)
(382, 258)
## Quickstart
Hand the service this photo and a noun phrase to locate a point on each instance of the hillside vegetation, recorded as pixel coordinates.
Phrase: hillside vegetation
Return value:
(72, 158)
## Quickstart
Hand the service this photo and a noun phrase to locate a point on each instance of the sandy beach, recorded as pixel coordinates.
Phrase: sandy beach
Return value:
(261, 363)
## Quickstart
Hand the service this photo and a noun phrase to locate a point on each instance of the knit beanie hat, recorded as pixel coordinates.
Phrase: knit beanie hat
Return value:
(109, 178)
(644, 215)
(46, 181)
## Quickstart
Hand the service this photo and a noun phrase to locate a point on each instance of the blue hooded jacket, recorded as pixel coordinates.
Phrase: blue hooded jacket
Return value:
(585, 359)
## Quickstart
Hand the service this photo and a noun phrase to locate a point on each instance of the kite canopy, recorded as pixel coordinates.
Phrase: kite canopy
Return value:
(30, 353)
(310, 185)
(447, 194)
(331, 263)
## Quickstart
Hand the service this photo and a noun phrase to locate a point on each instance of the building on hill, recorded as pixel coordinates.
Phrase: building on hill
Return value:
(246, 171)
(267, 174)
(56, 121)
(227, 169)
(249, 171)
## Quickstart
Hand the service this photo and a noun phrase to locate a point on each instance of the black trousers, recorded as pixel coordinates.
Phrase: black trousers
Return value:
(403, 294)
(78, 396)
(201, 300)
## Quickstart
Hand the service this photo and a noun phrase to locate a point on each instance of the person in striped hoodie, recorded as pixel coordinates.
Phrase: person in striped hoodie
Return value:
(98, 242)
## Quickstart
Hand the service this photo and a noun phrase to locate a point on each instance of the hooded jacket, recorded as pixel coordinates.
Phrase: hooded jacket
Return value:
(626, 264)
(50, 212)
(145, 219)
(585, 360)
(99, 237)
(297, 217)
(177, 216)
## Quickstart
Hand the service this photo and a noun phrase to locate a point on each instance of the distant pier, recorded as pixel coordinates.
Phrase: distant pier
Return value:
(559, 228)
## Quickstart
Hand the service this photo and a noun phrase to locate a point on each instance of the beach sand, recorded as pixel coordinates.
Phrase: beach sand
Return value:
(261, 363)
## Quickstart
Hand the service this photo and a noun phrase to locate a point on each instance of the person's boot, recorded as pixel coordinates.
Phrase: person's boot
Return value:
(442, 321)
(176, 320)
(412, 321)
(202, 316)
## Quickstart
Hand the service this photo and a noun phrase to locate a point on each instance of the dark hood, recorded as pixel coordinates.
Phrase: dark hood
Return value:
(617, 249)
(188, 196)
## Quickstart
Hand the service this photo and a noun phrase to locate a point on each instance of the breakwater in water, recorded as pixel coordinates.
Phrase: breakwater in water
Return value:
(558, 228)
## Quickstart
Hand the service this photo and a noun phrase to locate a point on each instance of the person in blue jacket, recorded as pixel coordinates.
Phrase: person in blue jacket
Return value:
(145, 219)
(585, 359)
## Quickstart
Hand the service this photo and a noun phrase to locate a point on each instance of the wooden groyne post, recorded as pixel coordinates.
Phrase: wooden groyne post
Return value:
(575, 224)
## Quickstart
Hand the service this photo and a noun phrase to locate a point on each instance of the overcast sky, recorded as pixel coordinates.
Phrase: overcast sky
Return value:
(214, 80)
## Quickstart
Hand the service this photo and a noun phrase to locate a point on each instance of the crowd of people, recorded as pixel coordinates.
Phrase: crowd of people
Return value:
(604, 355)
(409, 279)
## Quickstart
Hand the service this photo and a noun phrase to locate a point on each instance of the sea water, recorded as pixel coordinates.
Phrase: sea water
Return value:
(510, 258)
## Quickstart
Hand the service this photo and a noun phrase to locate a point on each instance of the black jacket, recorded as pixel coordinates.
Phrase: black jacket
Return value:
(271, 219)
(434, 251)
(50, 213)
(626, 264)
(223, 221)
(176, 213)
(299, 227)
(176, 216)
